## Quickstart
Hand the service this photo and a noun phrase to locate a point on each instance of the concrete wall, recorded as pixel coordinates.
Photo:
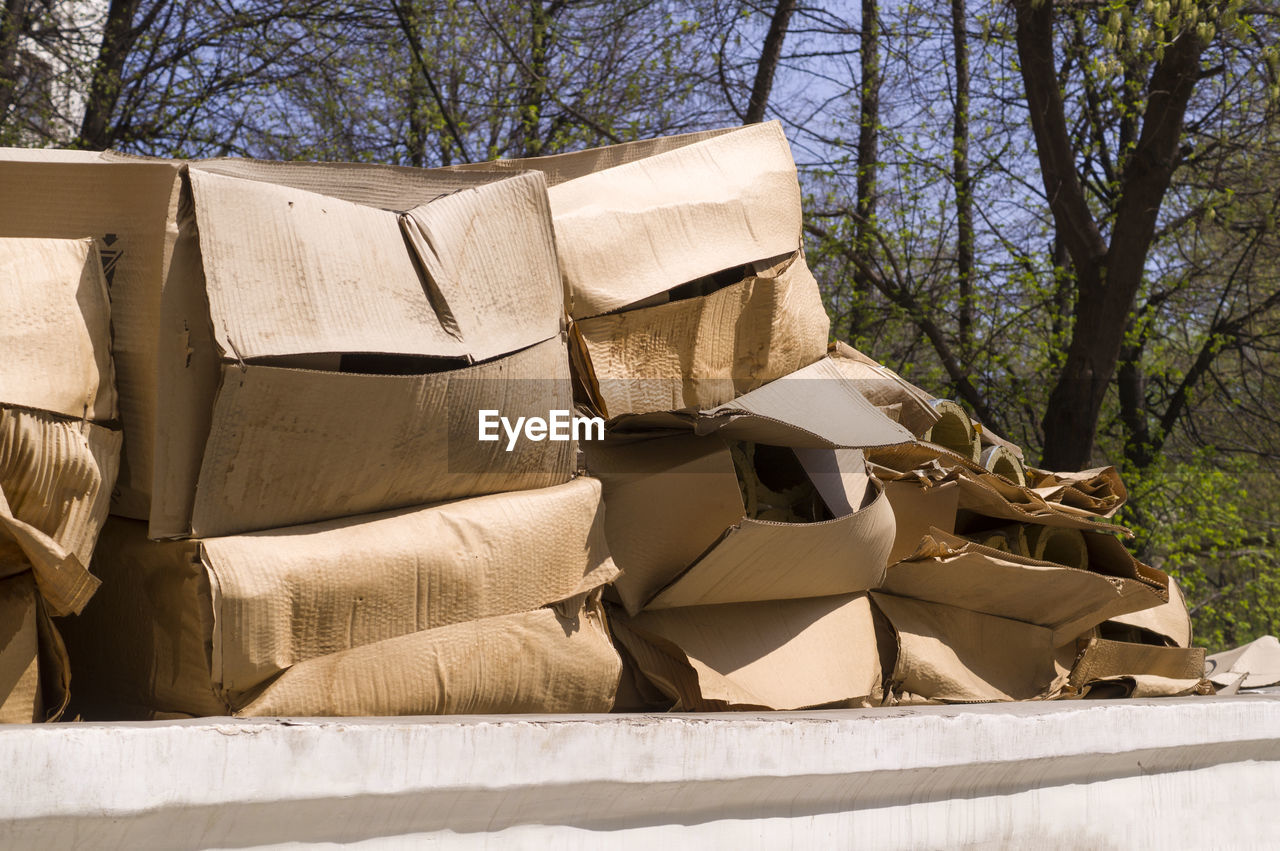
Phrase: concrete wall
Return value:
(1178, 773)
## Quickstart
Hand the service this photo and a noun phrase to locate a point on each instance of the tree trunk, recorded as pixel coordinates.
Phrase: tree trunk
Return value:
(768, 65)
(868, 134)
(1108, 273)
(118, 37)
(962, 182)
(530, 142)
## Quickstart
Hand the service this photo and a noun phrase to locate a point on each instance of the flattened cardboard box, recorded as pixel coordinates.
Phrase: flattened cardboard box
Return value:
(278, 296)
(635, 220)
(202, 627)
(131, 207)
(784, 654)
(677, 520)
(57, 467)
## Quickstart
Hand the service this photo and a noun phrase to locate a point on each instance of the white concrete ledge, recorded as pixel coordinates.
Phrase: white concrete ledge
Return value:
(1187, 772)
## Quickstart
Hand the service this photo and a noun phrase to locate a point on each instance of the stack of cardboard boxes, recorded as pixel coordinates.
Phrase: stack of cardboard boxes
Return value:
(312, 520)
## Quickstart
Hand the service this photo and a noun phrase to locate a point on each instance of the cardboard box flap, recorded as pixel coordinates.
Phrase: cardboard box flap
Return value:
(813, 407)
(55, 328)
(1065, 600)
(560, 168)
(488, 255)
(292, 446)
(293, 272)
(759, 560)
(962, 656)
(787, 654)
(639, 219)
(1101, 658)
(535, 661)
(287, 595)
(883, 387)
(20, 698)
(1170, 620)
(387, 187)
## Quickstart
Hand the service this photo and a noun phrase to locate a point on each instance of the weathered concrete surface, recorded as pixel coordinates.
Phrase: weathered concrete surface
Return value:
(1123, 774)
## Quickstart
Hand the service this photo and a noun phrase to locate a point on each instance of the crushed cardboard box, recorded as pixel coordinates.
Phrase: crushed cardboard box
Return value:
(215, 626)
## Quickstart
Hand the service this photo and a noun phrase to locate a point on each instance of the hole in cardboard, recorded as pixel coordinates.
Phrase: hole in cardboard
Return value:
(363, 363)
(775, 486)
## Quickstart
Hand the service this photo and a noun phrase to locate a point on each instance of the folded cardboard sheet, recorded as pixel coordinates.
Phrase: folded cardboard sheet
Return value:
(202, 627)
(784, 654)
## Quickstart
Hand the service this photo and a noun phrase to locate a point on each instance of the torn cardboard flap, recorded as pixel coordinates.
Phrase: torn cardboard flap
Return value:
(1101, 659)
(1067, 601)
(813, 407)
(196, 623)
(702, 352)
(956, 655)
(786, 654)
(682, 531)
(639, 219)
(1098, 491)
(55, 328)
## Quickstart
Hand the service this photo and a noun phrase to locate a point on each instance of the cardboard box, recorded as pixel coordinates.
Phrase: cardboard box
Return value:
(783, 654)
(278, 296)
(203, 627)
(634, 221)
(299, 326)
(684, 531)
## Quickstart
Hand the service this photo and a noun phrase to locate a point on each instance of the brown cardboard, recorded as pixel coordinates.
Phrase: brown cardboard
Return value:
(954, 655)
(55, 484)
(1099, 491)
(200, 626)
(919, 506)
(539, 661)
(786, 654)
(1168, 623)
(1067, 601)
(677, 515)
(55, 328)
(702, 352)
(1101, 659)
(636, 220)
(20, 697)
(128, 209)
(885, 388)
(258, 313)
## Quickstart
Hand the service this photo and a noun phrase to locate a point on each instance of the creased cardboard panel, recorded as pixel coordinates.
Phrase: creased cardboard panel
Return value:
(294, 272)
(539, 661)
(679, 530)
(787, 654)
(55, 328)
(636, 220)
(1067, 601)
(20, 697)
(952, 655)
(189, 624)
(129, 209)
(55, 484)
(885, 388)
(1102, 659)
(702, 352)
(292, 446)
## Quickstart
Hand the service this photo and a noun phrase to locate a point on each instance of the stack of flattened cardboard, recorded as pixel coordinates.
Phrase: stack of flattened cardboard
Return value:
(1001, 591)
(58, 458)
(312, 519)
(321, 340)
